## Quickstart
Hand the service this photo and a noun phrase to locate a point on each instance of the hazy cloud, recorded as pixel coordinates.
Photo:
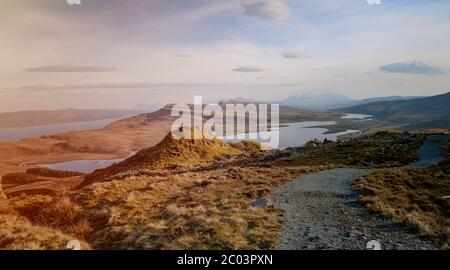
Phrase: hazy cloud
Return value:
(249, 69)
(415, 67)
(71, 68)
(290, 55)
(270, 10)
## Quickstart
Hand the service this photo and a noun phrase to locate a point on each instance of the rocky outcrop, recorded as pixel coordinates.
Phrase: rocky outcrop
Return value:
(176, 155)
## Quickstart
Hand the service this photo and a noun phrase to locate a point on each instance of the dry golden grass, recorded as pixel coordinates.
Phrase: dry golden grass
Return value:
(130, 206)
(412, 197)
(17, 233)
(57, 212)
(201, 210)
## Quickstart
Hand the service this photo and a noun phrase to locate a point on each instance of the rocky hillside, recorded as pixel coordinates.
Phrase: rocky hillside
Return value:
(174, 155)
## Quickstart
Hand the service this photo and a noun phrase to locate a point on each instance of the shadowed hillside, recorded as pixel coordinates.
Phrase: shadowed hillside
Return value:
(418, 113)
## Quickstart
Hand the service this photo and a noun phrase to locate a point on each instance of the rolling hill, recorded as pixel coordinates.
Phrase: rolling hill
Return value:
(41, 118)
(417, 113)
(174, 154)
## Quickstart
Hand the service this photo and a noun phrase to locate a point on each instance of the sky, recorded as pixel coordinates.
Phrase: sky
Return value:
(116, 54)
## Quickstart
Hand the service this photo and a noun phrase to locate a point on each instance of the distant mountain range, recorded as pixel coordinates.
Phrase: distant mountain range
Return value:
(416, 113)
(332, 101)
(315, 101)
(322, 101)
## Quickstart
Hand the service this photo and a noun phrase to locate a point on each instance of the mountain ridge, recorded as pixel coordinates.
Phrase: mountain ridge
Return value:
(416, 113)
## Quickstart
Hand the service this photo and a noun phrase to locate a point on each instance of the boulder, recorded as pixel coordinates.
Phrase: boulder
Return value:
(261, 202)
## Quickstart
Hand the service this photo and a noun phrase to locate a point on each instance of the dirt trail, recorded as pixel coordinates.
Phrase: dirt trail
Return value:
(430, 152)
(321, 211)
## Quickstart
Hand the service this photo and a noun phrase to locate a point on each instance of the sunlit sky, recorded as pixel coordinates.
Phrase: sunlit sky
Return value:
(116, 54)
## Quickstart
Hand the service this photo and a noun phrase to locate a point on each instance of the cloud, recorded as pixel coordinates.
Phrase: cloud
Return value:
(71, 68)
(249, 69)
(415, 67)
(290, 55)
(269, 10)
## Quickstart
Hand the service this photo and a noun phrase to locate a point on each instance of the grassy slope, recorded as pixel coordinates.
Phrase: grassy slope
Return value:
(387, 148)
(413, 197)
(196, 210)
(18, 233)
(170, 154)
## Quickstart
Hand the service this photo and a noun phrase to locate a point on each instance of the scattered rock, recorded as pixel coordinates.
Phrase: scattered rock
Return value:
(261, 202)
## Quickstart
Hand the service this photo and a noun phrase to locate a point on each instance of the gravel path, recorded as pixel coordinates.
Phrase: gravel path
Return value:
(430, 152)
(321, 211)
